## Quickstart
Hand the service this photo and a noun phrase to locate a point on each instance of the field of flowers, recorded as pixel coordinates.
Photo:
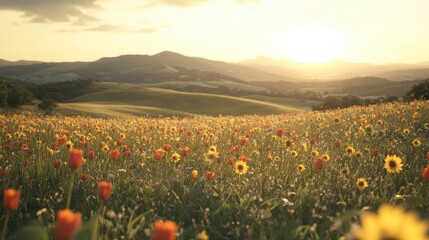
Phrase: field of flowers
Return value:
(358, 173)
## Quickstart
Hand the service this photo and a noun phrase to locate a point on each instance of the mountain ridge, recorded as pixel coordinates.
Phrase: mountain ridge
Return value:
(173, 66)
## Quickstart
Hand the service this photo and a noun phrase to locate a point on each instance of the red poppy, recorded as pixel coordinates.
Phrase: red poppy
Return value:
(91, 154)
(104, 190)
(114, 154)
(280, 132)
(375, 152)
(158, 156)
(166, 147)
(66, 224)
(83, 177)
(210, 175)
(62, 141)
(426, 174)
(57, 163)
(75, 159)
(164, 230)
(11, 199)
(318, 163)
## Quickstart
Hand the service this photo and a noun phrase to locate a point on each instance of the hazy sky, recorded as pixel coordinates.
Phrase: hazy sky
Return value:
(376, 31)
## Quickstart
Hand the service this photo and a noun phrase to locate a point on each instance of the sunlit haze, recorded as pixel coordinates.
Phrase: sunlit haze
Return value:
(381, 31)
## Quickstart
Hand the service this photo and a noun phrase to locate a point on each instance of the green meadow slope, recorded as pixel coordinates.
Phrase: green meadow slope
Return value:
(119, 99)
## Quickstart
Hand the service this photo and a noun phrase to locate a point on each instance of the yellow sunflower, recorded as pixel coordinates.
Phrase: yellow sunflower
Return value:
(350, 150)
(175, 157)
(406, 131)
(358, 154)
(369, 128)
(361, 183)
(315, 153)
(345, 171)
(294, 153)
(105, 148)
(392, 222)
(203, 235)
(326, 157)
(393, 164)
(69, 144)
(210, 156)
(416, 142)
(240, 167)
(300, 167)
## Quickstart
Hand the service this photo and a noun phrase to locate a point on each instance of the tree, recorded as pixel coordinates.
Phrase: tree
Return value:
(418, 92)
(47, 106)
(3, 95)
(17, 96)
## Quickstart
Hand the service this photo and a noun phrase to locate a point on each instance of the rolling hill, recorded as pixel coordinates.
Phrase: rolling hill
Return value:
(17, 63)
(164, 66)
(360, 86)
(335, 70)
(114, 99)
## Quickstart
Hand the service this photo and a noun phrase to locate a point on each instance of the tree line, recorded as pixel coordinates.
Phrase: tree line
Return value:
(418, 92)
(13, 95)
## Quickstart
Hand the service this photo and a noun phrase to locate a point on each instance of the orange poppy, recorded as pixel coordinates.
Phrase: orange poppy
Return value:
(75, 159)
(104, 190)
(11, 199)
(66, 224)
(164, 230)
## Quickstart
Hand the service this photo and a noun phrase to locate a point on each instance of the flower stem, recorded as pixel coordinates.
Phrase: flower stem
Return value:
(6, 221)
(70, 190)
(97, 216)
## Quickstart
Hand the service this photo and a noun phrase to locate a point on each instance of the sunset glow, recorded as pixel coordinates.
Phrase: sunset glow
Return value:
(310, 43)
(227, 30)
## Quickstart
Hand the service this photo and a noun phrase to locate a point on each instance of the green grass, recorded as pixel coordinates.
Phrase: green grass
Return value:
(115, 110)
(209, 84)
(163, 100)
(298, 103)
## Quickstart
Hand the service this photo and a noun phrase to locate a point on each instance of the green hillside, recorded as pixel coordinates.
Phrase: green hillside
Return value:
(298, 103)
(138, 100)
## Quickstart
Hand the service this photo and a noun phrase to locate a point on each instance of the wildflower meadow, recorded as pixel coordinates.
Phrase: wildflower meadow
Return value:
(356, 173)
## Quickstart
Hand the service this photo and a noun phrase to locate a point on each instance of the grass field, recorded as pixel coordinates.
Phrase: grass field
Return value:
(156, 101)
(313, 175)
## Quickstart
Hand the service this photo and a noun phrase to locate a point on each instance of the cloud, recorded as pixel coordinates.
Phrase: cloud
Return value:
(177, 3)
(106, 28)
(110, 28)
(42, 11)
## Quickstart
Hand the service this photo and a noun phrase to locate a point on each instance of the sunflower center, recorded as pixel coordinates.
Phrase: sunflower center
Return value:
(389, 238)
(392, 164)
(360, 184)
(240, 167)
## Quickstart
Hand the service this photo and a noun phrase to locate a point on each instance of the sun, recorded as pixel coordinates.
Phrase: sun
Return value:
(307, 43)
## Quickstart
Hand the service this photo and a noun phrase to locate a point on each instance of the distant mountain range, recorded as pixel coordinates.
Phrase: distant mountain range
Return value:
(16, 63)
(164, 66)
(334, 70)
(171, 67)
